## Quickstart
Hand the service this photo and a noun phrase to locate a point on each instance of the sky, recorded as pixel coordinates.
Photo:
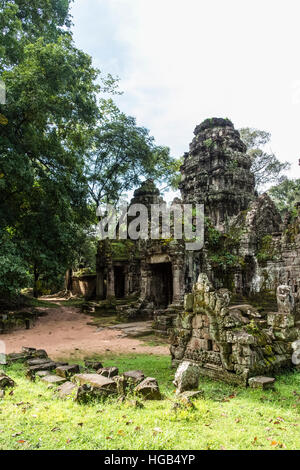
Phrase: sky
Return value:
(182, 61)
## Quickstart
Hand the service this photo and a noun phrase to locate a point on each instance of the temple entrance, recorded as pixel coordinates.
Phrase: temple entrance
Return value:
(119, 282)
(161, 284)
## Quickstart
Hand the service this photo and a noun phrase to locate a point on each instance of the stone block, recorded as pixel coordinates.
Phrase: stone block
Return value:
(197, 322)
(148, 389)
(67, 371)
(5, 381)
(95, 365)
(66, 389)
(97, 382)
(48, 366)
(186, 377)
(41, 373)
(135, 376)
(108, 371)
(281, 320)
(53, 380)
(261, 382)
(189, 302)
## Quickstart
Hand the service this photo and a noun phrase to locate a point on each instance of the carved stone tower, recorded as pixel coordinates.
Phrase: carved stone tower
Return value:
(216, 172)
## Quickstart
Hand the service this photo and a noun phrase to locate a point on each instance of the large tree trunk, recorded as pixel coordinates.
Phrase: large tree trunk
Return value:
(35, 286)
(68, 280)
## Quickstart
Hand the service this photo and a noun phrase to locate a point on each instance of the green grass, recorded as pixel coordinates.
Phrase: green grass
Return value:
(153, 340)
(227, 417)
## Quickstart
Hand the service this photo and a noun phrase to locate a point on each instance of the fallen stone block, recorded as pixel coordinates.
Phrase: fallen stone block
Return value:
(66, 389)
(27, 354)
(84, 394)
(148, 389)
(95, 365)
(97, 382)
(53, 379)
(5, 381)
(108, 371)
(36, 362)
(261, 382)
(41, 373)
(48, 366)
(121, 384)
(186, 377)
(67, 371)
(134, 376)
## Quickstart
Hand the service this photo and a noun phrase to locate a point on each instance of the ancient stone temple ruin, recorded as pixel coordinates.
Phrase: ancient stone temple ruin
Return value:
(233, 307)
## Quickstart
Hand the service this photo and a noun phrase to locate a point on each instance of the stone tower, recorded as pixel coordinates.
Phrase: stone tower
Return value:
(216, 172)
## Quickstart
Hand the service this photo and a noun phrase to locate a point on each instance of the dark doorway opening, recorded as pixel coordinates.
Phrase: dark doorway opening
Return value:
(162, 284)
(119, 282)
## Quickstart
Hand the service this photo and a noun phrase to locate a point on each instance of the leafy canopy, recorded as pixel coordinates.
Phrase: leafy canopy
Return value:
(286, 195)
(265, 165)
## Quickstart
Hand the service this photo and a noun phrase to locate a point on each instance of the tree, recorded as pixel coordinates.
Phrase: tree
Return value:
(286, 195)
(62, 145)
(51, 108)
(121, 156)
(265, 165)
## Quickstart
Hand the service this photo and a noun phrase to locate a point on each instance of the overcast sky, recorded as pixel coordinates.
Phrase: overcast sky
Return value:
(181, 61)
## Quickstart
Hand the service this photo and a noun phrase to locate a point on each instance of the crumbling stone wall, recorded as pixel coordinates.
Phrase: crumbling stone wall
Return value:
(233, 342)
(255, 252)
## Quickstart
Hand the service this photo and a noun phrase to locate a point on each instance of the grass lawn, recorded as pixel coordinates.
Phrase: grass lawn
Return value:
(226, 417)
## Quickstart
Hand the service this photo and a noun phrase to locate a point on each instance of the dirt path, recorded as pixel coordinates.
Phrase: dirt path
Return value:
(64, 333)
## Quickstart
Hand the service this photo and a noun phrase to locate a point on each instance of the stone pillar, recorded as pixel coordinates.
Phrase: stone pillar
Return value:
(145, 281)
(100, 285)
(178, 287)
(110, 282)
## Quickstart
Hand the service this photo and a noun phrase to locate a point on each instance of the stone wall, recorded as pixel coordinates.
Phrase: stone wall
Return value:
(84, 286)
(234, 342)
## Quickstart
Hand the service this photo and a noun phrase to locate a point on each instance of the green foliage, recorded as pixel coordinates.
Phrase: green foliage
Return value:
(208, 143)
(13, 271)
(63, 146)
(285, 195)
(266, 249)
(51, 105)
(222, 247)
(265, 165)
(123, 249)
(121, 155)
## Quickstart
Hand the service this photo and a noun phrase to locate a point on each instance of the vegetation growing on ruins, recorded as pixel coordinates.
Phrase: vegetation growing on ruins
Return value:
(223, 247)
(266, 250)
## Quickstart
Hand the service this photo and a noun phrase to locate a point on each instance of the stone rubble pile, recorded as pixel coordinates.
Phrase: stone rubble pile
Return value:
(81, 383)
(232, 343)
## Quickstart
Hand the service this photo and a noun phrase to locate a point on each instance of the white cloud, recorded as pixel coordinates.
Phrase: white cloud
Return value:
(182, 61)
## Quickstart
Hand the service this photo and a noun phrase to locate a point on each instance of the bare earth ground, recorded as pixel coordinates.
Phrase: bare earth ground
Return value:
(64, 333)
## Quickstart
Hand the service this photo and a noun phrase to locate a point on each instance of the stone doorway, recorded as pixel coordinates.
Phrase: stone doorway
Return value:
(161, 291)
(119, 282)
